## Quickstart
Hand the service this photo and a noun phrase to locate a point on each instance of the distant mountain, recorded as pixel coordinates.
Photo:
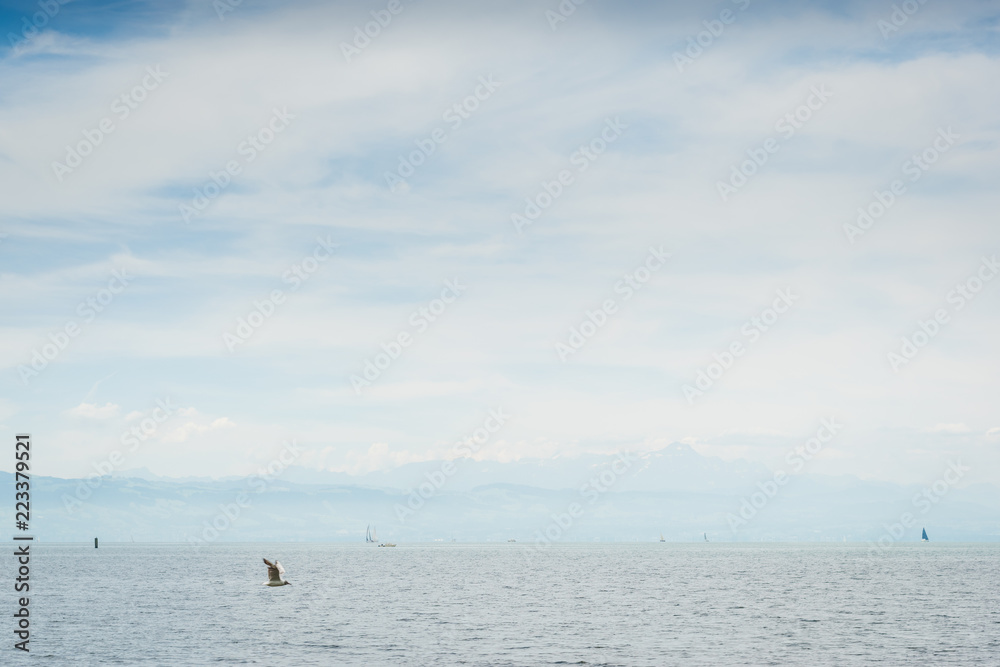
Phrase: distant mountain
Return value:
(676, 467)
(675, 491)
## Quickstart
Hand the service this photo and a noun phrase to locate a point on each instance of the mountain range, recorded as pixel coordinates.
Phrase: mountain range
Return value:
(673, 491)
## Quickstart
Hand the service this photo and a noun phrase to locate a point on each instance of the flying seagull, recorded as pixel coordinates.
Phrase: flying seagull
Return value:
(274, 574)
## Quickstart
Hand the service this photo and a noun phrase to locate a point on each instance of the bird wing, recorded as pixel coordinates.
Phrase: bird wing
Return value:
(272, 571)
(280, 569)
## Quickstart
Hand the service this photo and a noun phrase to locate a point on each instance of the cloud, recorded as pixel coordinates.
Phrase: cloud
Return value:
(378, 457)
(94, 411)
(655, 185)
(950, 428)
(188, 429)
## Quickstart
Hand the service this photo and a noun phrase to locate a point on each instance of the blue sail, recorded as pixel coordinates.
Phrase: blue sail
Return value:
(923, 536)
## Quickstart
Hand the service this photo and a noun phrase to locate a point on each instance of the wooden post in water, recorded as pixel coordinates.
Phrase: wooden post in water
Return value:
(95, 542)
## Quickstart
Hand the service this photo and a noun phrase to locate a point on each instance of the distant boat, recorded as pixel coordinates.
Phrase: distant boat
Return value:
(661, 538)
(510, 540)
(371, 534)
(706, 536)
(923, 536)
(387, 544)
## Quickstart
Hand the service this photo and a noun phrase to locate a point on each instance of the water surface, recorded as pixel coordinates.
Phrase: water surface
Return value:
(507, 604)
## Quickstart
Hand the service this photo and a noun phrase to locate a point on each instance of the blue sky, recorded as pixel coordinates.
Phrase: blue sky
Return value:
(655, 185)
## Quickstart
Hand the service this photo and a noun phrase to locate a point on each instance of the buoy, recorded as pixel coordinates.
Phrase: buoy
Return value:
(95, 542)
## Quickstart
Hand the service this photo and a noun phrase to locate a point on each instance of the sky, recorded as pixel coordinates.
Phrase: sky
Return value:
(581, 218)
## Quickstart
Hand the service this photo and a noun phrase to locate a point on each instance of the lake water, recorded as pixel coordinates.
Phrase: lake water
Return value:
(506, 604)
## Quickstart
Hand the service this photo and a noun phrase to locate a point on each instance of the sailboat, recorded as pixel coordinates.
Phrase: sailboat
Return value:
(371, 536)
(706, 536)
(661, 538)
(923, 536)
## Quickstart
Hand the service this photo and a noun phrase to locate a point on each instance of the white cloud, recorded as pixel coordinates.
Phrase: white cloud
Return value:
(495, 344)
(378, 457)
(94, 411)
(184, 432)
(950, 428)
